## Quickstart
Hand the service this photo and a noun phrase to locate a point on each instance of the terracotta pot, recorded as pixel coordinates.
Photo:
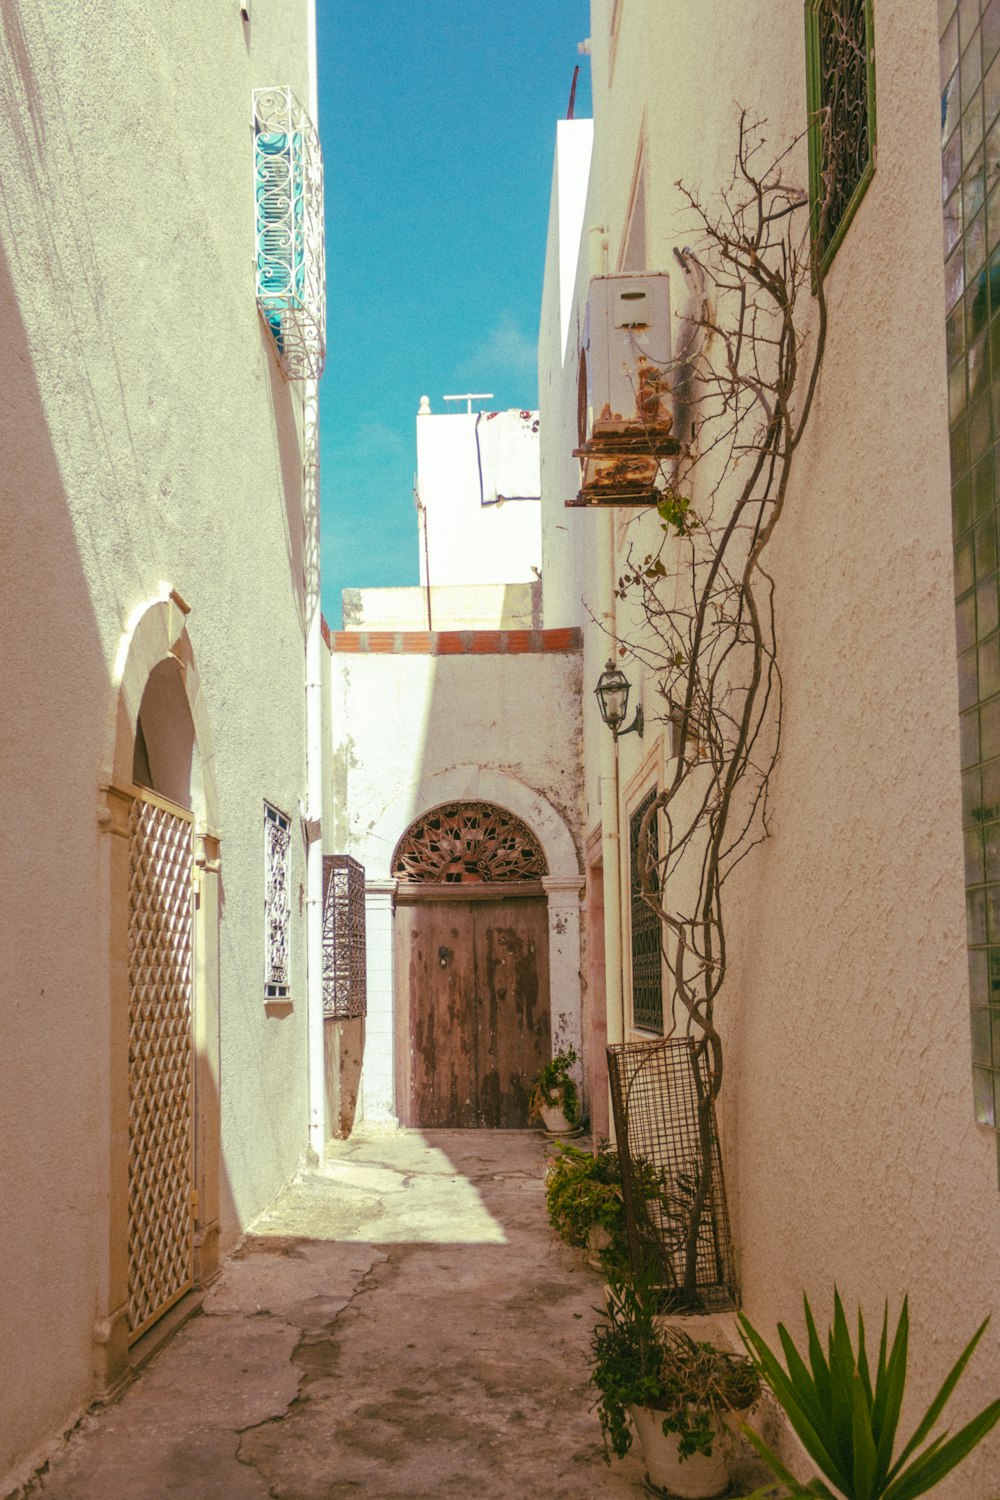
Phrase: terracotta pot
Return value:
(694, 1478)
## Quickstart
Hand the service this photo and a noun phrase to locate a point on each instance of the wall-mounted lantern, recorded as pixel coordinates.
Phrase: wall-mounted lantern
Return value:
(612, 692)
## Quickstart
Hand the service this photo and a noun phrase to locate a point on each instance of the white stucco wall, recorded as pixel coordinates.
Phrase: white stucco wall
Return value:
(567, 535)
(477, 606)
(150, 442)
(848, 1107)
(468, 542)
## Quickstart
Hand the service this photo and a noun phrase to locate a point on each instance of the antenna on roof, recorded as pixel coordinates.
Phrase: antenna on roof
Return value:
(469, 397)
(572, 93)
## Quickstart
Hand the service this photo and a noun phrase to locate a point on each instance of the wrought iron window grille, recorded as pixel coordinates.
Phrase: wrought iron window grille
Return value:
(840, 87)
(288, 227)
(277, 902)
(647, 965)
(344, 972)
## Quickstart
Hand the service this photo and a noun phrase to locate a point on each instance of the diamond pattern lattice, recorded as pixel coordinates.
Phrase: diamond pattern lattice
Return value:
(160, 1239)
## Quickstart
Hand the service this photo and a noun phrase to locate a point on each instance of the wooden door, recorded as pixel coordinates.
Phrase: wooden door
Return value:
(475, 1013)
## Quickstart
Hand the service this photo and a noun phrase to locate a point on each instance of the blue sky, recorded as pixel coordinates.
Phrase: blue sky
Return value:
(438, 127)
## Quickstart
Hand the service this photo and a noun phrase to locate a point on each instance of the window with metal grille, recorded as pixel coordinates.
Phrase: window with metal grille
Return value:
(288, 220)
(277, 902)
(647, 969)
(344, 977)
(840, 83)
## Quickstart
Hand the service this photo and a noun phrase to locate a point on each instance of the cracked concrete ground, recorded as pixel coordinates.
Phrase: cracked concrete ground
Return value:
(401, 1323)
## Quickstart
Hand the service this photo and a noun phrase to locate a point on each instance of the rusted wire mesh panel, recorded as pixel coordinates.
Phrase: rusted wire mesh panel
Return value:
(675, 1210)
(344, 979)
(160, 1137)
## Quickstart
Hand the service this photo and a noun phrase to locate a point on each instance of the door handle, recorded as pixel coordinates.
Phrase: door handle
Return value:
(501, 993)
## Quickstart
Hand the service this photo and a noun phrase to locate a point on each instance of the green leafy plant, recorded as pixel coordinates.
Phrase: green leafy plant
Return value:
(635, 1362)
(554, 1088)
(583, 1189)
(846, 1415)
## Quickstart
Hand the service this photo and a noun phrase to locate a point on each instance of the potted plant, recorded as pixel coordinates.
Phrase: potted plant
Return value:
(845, 1413)
(554, 1095)
(583, 1194)
(675, 1392)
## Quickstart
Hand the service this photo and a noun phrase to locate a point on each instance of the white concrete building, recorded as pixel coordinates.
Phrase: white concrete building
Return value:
(859, 1126)
(455, 783)
(157, 590)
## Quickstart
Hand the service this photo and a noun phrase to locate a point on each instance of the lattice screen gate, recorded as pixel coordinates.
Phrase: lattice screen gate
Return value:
(161, 1083)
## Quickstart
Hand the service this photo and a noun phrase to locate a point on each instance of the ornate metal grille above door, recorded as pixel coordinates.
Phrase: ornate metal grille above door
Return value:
(468, 843)
(160, 1223)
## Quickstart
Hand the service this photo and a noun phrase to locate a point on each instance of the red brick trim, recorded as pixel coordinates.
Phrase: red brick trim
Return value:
(453, 642)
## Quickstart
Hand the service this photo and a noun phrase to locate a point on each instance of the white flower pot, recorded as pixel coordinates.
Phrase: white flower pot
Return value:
(555, 1121)
(598, 1239)
(694, 1478)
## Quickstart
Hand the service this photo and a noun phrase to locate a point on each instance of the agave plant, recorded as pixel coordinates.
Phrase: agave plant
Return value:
(846, 1417)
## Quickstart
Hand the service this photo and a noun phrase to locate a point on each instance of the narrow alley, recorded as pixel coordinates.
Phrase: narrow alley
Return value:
(403, 1323)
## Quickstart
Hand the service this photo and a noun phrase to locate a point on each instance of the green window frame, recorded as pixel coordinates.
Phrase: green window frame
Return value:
(840, 89)
(647, 966)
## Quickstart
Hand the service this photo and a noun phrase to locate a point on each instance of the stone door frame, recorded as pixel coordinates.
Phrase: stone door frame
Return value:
(563, 888)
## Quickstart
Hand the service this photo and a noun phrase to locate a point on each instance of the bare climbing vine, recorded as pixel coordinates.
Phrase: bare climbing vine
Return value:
(744, 386)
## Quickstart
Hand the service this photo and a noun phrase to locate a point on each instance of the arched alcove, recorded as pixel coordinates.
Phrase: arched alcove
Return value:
(165, 754)
(161, 821)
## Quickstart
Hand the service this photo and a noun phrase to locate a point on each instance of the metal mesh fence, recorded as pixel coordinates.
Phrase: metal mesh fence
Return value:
(675, 1211)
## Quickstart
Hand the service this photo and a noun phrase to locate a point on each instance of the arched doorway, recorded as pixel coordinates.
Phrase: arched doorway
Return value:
(159, 904)
(472, 967)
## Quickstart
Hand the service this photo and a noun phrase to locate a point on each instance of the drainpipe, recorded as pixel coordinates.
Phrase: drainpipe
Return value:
(314, 716)
(614, 990)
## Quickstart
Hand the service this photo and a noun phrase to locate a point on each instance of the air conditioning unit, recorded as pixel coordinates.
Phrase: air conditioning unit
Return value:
(625, 415)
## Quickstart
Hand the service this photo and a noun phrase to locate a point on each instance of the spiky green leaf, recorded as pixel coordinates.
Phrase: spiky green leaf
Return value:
(940, 1400)
(932, 1465)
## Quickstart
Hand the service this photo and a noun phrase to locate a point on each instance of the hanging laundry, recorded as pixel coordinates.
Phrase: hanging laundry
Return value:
(508, 455)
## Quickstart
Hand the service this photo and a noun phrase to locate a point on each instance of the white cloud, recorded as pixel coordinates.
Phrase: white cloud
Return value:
(507, 351)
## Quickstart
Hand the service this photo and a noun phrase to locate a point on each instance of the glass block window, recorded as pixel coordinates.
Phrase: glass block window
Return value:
(970, 174)
(277, 902)
(344, 969)
(840, 86)
(647, 968)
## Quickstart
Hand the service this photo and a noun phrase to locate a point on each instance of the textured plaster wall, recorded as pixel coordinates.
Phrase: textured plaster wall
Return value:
(398, 720)
(148, 440)
(848, 1108)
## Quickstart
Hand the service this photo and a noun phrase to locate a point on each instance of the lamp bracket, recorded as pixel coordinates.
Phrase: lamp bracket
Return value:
(637, 724)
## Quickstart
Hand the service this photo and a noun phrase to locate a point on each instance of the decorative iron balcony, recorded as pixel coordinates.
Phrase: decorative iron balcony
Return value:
(288, 228)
